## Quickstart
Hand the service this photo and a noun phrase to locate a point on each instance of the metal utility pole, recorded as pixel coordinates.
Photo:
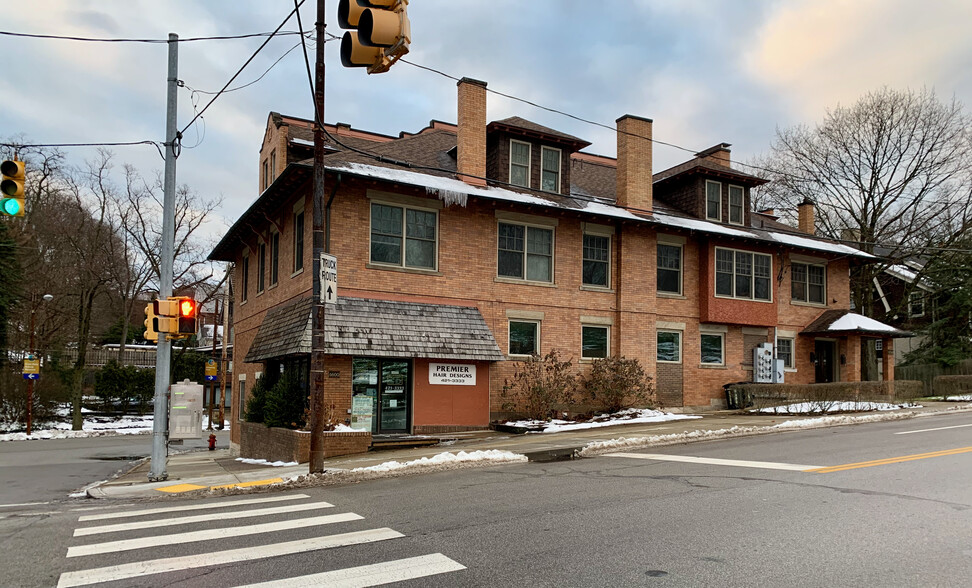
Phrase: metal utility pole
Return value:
(163, 354)
(222, 361)
(318, 374)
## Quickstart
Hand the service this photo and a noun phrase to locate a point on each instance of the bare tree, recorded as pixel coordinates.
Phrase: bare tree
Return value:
(889, 174)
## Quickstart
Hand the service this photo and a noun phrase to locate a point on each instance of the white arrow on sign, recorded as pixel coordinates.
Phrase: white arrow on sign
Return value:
(328, 278)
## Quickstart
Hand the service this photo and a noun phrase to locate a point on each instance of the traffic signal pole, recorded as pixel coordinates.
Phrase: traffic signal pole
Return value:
(318, 375)
(163, 353)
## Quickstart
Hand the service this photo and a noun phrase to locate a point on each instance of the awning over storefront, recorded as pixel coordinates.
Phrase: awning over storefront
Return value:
(378, 328)
(837, 323)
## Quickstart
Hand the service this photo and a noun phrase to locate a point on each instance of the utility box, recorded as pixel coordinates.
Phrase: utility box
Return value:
(185, 410)
(764, 364)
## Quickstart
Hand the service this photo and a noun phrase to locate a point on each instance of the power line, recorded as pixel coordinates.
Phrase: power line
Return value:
(155, 144)
(239, 71)
(186, 40)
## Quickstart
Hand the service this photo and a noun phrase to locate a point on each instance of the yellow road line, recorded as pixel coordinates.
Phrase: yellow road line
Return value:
(890, 460)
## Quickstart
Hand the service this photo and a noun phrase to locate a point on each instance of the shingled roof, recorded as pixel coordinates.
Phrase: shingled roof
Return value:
(378, 328)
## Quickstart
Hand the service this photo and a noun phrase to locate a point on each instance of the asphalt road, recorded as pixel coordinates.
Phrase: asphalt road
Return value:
(627, 520)
(46, 470)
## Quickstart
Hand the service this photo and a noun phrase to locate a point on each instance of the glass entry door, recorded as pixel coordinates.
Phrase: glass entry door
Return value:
(381, 395)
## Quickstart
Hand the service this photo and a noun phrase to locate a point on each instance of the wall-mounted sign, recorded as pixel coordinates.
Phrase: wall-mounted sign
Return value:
(454, 374)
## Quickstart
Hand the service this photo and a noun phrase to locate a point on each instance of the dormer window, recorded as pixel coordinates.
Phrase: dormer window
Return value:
(736, 205)
(713, 201)
(550, 166)
(519, 163)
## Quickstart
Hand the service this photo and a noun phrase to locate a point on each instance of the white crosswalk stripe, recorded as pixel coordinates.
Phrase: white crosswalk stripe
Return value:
(184, 546)
(371, 575)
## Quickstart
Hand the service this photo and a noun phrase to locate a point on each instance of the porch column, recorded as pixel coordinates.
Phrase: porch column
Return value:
(887, 362)
(850, 352)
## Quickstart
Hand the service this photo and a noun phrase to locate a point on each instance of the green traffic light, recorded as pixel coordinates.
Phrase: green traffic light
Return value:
(10, 206)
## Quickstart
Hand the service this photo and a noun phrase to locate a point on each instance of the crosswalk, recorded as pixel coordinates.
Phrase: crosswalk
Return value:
(256, 521)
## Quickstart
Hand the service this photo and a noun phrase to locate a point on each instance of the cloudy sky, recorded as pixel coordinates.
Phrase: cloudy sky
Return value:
(706, 71)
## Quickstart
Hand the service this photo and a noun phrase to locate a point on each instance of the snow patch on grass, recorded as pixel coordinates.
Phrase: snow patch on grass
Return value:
(490, 455)
(625, 417)
(263, 462)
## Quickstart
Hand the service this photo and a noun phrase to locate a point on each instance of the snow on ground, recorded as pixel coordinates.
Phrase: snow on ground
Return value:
(488, 455)
(823, 407)
(94, 427)
(625, 417)
(263, 462)
(962, 398)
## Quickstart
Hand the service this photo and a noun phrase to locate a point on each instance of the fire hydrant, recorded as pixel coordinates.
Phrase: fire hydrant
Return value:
(212, 441)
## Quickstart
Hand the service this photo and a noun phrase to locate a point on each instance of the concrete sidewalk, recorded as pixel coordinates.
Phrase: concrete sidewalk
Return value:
(201, 470)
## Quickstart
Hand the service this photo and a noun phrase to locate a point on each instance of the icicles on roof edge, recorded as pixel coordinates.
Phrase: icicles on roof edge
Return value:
(448, 197)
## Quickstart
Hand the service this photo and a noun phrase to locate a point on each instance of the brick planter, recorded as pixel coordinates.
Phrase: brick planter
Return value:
(276, 444)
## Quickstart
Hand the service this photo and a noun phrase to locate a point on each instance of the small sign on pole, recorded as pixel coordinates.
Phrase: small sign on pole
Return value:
(328, 278)
(210, 370)
(31, 369)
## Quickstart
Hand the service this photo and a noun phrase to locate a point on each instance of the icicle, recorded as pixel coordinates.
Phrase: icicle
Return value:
(448, 197)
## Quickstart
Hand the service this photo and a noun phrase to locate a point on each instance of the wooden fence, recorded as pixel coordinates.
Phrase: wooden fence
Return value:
(926, 373)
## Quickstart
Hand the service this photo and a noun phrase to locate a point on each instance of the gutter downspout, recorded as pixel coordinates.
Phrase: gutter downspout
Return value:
(327, 215)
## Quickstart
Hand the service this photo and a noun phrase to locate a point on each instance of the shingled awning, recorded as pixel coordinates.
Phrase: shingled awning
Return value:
(378, 328)
(845, 322)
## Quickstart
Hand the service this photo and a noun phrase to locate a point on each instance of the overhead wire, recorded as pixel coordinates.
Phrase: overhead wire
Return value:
(156, 41)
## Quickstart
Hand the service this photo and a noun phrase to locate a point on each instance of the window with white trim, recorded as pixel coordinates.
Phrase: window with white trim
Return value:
(525, 252)
(597, 260)
(519, 163)
(262, 267)
(298, 241)
(736, 205)
(668, 346)
(784, 351)
(743, 275)
(403, 236)
(669, 278)
(524, 337)
(595, 341)
(916, 304)
(549, 169)
(713, 200)
(808, 283)
(712, 347)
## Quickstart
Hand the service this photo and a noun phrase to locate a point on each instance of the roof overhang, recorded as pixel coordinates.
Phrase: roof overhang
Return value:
(839, 323)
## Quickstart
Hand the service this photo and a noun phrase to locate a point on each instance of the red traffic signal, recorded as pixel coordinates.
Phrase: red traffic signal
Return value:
(188, 313)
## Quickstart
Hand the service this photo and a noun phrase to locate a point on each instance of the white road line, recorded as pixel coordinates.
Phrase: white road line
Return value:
(204, 506)
(23, 504)
(219, 558)
(221, 516)
(371, 575)
(935, 429)
(766, 465)
(207, 534)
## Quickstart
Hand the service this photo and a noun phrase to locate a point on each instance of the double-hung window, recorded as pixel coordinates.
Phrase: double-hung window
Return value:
(550, 169)
(519, 163)
(916, 304)
(743, 275)
(262, 268)
(594, 341)
(403, 236)
(669, 278)
(669, 346)
(298, 241)
(808, 283)
(712, 348)
(244, 277)
(274, 257)
(525, 252)
(784, 351)
(736, 205)
(597, 256)
(713, 200)
(524, 337)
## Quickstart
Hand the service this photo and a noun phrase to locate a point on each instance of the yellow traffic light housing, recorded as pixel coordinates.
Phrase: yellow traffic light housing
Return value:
(381, 33)
(167, 316)
(151, 334)
(12, 187)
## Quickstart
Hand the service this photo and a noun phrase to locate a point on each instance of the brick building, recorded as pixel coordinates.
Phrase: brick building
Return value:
(463, 248)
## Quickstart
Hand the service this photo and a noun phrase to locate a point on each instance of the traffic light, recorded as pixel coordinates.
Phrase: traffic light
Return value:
(380, 33)
(151, 334)
(188, 311)
(12, 187)
(167, 316)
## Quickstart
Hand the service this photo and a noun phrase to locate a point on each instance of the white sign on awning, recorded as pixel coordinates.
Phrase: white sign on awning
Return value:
(454, 374)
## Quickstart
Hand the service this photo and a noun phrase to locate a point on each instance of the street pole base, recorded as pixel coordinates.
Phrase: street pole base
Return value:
(159, 478)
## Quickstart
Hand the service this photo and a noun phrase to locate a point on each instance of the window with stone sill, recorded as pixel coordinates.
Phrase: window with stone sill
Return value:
(784, 351)
(669, 272)
(594, 341)
(524, 337)
(808, 283)
(403, 236)
(596, 259)
(525, 252)
(669, 346)
(743, 275)
(712, 348)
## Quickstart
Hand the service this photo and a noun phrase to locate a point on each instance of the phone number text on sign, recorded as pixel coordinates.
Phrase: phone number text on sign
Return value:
(455, 374)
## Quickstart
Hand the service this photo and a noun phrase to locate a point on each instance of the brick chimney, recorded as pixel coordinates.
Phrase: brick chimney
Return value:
(634, 163)
(805, 214)
(717, 154)
(471, 138)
